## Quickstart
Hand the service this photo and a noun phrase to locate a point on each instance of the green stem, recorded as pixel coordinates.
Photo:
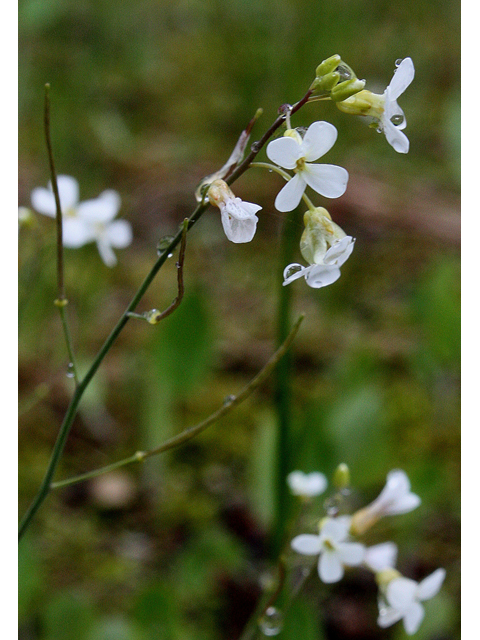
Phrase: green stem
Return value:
(283, 395)
(61, 301)
(191, 432)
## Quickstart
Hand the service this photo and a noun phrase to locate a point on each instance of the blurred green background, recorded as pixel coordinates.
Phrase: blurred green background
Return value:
(147, 98)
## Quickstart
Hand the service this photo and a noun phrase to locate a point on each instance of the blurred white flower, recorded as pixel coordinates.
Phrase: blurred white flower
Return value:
(84, 222)
(294, 153)
(306, 484)
(333, 547)
(403, 600)
(395, 498)
(238, 218)
(381, 556)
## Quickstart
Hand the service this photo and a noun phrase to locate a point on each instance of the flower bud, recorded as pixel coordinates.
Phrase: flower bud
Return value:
(363, 103)
(341, 477)
(346, 89)
(320, 233)
(325, 84)
(219, 192)
(328, 65)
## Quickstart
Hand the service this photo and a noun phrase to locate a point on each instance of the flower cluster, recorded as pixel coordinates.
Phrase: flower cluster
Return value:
(324, 245)
(336, 547)
(88, 221)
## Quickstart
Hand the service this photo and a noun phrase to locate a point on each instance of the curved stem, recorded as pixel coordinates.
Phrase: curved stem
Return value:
(191, 432)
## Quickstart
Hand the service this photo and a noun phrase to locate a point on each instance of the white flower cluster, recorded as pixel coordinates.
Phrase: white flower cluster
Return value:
(335, 545)
(88, 221)
(324, 245)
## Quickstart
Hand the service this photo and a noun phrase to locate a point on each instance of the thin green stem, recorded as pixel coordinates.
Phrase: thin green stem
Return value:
(283, 396)
(61, 301)
(153, 317)
(58, 217)
(230, 403)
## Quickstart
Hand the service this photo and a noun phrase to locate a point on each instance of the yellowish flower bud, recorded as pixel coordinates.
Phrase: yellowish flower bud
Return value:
(320, 233)
(346, 89)
(219, 192)
(341, 477)
(364, 103)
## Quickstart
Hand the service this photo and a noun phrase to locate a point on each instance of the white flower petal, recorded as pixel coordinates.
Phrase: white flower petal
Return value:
(101, 209)
(413, 618)
(306, 484)
(328, 180)
(401, 593)
(404, 504)
(388, 616)
(431, 585)
(76, 233)
(330, 567)
(339, 253)
(291, 194)
(43, 201)
(402, 77)
(68, 191)
(106, 252)
(319, 138)
(351, 553)
(294, 275)
(250, 208)
(381, 556)
(307, 544)
(119, 234)
(284, 151)
(239, 230)
(334, 529)
(395, 137)
(319, 275)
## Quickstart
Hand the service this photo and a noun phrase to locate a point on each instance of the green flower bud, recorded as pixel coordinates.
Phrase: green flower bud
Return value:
(328, 65)
(341, 477)
(346, 89)
(325, 84)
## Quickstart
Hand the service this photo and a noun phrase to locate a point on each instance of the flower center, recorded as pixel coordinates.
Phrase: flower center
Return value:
(300, 164)
(328, 544)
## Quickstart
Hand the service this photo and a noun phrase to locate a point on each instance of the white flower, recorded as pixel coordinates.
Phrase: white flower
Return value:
(333, 548)
(238, 218)
(393, 119)
(381, 556)
(403, 600)
(384, 108)
(327, 271)
(97, 216)
(89, 221)
(394, 499)
(306, 484)
(293, 152)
